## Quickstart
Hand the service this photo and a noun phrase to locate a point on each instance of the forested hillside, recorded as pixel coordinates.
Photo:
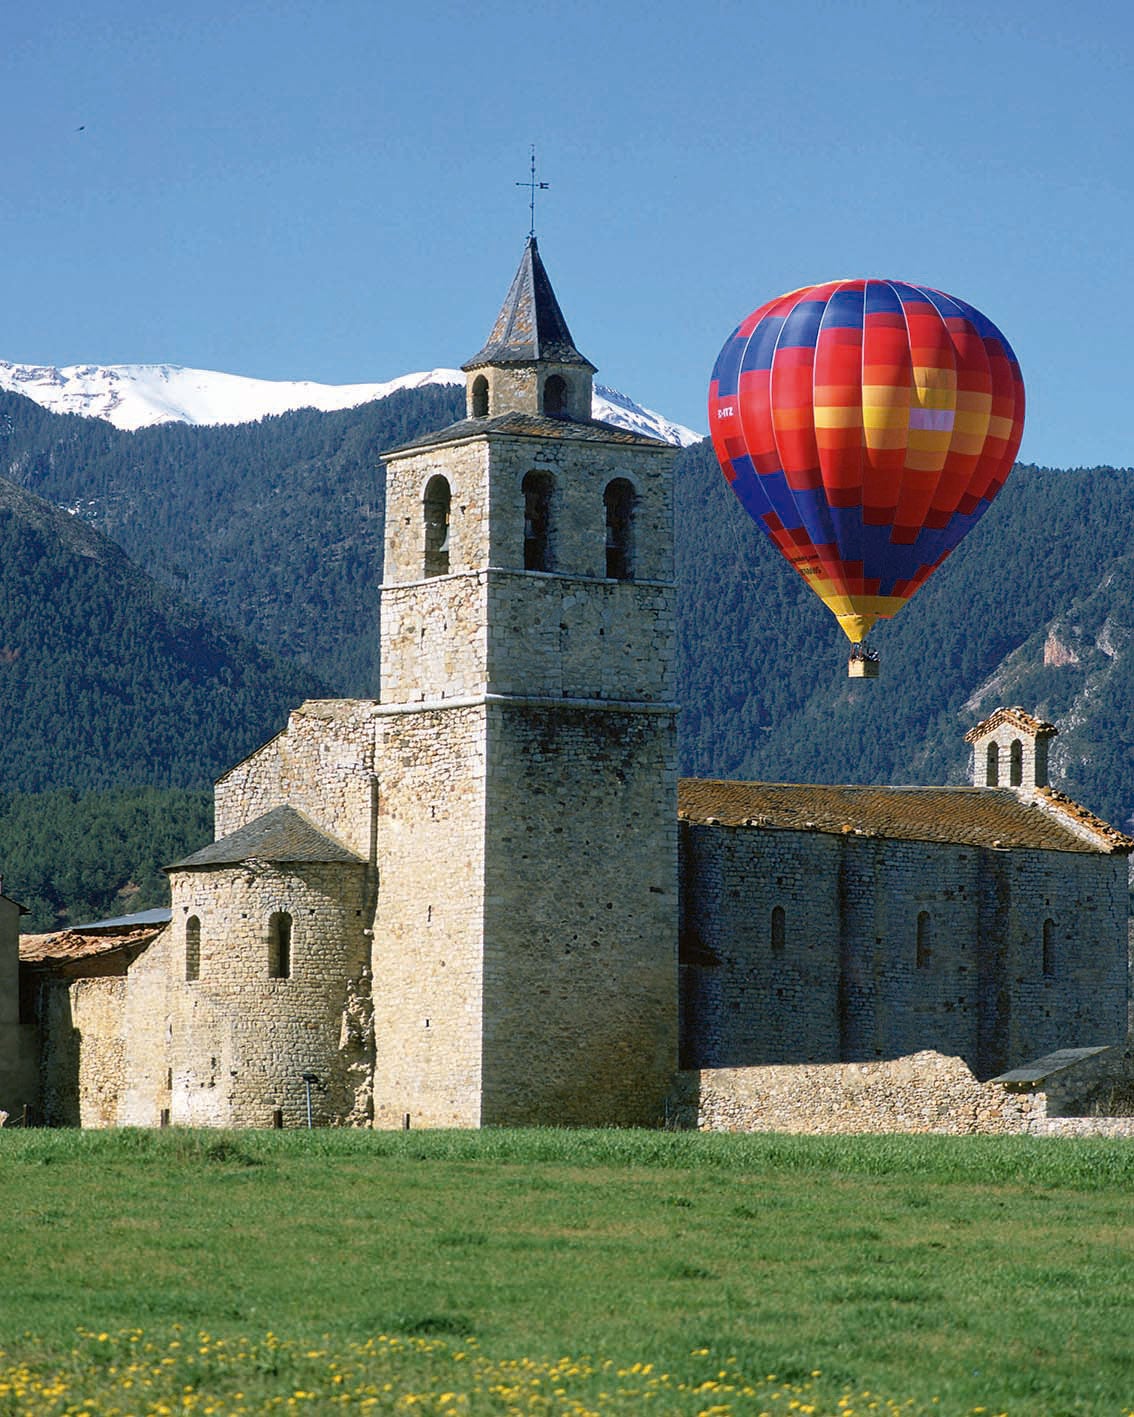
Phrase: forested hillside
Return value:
(275, 527)
(108, 679)
(72, 857)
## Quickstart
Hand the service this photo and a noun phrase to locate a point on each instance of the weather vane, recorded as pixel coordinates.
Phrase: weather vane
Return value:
(533, 187)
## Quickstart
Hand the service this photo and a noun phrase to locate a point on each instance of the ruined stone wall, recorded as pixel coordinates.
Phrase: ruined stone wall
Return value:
(322, 765)
(238, 1040)
(83, 1050)
(891, 947)
(927, 1092)
(580, 969)
(428, 927)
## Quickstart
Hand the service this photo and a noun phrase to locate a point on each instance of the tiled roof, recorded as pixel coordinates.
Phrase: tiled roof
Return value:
(81, 943)
(530, 325)
(533, 425)
(1014, 718)
(282, 834)
(969, 816)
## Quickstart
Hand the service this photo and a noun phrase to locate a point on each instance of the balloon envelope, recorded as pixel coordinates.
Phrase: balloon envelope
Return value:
(866, 425)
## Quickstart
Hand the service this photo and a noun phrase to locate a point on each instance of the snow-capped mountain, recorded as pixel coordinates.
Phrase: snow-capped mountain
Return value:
(140, 395)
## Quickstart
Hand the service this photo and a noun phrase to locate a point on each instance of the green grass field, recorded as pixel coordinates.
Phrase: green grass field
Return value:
(564, 1272)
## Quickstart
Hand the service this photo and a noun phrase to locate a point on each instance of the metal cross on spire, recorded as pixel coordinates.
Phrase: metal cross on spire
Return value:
(533, 187)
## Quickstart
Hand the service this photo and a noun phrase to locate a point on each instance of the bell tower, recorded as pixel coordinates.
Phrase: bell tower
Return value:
(525, 934)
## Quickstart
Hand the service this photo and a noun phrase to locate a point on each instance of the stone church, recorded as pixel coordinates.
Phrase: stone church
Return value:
(484, 898)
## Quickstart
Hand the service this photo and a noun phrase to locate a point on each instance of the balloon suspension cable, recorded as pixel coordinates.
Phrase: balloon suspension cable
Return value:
(863, 661)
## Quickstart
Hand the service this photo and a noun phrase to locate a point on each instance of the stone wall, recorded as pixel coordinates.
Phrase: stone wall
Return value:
(520, 386)
(527, 633)
(926, 1092)
(19, 1041)
(83, 1050)
(486, 526)
(237, 1041)
(887, 947)
(747, 999)
(429, 924)
(147, 1027)
(322, 765)
(580, 970)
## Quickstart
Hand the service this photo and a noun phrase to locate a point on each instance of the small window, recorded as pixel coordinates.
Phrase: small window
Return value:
(279, 946)
(192, 949)
(538, 488)
(480, 397)
(436, 512)
(1016, 763)
(924, 940)
(992, 767)
(777, 933)
(555, 396)
(619, 500)
(1049, 949)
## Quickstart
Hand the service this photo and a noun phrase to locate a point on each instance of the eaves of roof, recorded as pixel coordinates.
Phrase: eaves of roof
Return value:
(531, 425)
(281, 835)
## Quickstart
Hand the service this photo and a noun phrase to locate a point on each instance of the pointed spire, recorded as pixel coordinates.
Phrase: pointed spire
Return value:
(530, 327)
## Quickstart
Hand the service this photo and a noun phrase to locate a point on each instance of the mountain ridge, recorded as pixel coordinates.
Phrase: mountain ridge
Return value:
(134, 396)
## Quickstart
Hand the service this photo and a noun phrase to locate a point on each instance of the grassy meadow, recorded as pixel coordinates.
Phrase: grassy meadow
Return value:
(564, 1272)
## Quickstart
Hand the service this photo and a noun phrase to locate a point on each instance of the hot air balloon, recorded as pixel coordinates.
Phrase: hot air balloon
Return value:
(866, 425)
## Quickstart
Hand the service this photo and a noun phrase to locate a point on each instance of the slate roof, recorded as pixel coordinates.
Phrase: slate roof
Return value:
(968, 816)
(1050, 1063)
(530, 325)
(282, 834)
(532, 425)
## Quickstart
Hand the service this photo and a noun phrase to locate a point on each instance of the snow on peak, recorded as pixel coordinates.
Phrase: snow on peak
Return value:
(134, 396)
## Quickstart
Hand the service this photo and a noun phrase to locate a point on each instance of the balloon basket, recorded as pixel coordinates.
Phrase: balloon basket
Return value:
(862, 666)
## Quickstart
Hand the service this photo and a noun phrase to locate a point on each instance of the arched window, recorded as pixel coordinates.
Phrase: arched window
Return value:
(538, 487)
(992, 771)
(1016, 763)
(279, 946)
(555, 396)
(924, 940)
(777, 934)
(619, 501)
(480, 397)
(1049, 949)
(436, 513)
(192, 949)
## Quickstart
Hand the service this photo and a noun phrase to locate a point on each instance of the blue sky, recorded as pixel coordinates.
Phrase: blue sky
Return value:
(325, 189)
